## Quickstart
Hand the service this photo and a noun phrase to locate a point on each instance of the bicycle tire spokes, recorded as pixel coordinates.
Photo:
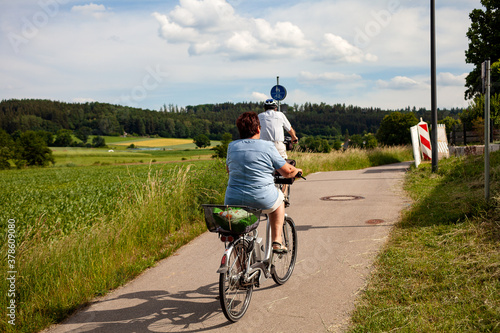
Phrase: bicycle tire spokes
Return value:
(284, 263)
(234, 297)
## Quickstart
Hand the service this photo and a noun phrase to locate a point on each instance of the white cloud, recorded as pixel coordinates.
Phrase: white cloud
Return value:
(96, 11)
(448, 79)
(325, 78)
(175, 33)
(399, 83)
(282, 34)
(213, 27)
(257, 96)
(204, 14)
(243, 42)
(337, 49)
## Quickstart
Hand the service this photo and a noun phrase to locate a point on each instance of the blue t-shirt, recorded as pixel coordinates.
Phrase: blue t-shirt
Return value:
(251, 165)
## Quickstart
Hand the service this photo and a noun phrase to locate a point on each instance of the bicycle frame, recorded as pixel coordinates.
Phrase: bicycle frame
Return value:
(261, 265)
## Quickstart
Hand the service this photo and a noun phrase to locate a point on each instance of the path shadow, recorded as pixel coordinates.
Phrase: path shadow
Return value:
(155, 311)
(382, 170)
(308, 227)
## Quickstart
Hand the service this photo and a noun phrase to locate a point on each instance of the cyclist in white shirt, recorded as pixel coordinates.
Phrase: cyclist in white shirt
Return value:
(272, 123)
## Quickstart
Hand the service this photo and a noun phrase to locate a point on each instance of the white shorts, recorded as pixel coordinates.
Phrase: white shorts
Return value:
(275, 206)
(281, 149)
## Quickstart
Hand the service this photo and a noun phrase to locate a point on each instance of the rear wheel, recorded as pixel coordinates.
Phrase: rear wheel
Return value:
(283, 263)
(234, 296)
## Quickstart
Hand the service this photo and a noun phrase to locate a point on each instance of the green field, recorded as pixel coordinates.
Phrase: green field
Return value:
(157, 151)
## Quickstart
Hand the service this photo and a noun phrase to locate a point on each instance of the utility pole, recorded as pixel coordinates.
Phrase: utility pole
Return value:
(486, 89)
(434, 141)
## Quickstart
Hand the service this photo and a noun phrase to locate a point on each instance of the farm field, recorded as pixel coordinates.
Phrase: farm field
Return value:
(53, 202)
(140, 142)
(158, 142)
(158, 150)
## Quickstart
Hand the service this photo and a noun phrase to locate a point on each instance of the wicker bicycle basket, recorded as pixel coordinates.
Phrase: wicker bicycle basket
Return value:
(231, 219)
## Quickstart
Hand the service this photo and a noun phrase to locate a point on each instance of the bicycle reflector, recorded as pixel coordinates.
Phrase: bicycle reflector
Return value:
(223, 261)
(226, 238)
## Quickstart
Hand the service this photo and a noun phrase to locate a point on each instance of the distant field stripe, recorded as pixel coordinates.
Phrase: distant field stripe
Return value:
(158, 142)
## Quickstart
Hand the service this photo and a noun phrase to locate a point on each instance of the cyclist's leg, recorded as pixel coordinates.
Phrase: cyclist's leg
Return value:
(276, 219)
(286, 191)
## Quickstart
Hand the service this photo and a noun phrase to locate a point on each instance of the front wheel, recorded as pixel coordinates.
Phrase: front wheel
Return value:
(285, 262)
(234, 294)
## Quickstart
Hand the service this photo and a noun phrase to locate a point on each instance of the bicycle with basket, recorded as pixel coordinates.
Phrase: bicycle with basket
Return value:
(248, 259)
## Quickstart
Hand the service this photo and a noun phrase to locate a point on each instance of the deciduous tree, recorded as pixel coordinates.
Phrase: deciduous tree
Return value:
(484, 44)
(201, 141)
(32, 150)
(395, 128)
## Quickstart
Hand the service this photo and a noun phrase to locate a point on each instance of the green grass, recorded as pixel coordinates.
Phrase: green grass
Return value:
(440, 271)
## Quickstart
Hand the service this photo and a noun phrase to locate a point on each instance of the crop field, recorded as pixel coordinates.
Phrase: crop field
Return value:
(107, 156)
(52, 202)
(160, 142)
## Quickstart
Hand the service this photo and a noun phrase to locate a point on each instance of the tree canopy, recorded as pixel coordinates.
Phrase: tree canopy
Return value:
(484, 44)
(395, 128)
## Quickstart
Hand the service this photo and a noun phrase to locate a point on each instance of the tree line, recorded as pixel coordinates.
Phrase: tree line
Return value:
(212, 120)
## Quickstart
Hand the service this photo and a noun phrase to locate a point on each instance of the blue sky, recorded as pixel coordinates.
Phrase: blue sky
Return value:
(187, 52)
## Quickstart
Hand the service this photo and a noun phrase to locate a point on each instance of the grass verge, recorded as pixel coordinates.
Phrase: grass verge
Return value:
(440, 271)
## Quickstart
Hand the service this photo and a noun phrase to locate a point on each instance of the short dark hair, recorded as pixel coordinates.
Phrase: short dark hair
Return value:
(248, 124)
(270, 107)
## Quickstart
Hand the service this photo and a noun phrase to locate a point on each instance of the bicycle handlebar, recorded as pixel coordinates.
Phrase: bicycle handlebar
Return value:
(299, 175)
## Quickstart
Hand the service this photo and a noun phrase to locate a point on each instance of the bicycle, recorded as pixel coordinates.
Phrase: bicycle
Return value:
(246, 260)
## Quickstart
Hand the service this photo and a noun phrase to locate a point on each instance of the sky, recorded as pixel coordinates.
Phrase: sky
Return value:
(152, 53)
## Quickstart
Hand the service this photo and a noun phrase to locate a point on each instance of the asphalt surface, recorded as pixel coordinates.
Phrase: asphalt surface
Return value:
(343, 220)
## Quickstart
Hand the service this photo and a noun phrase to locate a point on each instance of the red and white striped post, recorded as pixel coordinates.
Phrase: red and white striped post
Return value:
(425, 141)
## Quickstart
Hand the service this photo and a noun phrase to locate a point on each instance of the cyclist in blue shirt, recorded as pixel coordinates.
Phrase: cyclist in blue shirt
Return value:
(251, 163)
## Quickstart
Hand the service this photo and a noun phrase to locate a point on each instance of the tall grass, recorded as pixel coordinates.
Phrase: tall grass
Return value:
(154, 218)
(351, 159)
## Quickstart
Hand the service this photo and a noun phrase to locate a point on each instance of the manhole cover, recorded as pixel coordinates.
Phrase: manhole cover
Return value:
(341, 198)
(374, 221)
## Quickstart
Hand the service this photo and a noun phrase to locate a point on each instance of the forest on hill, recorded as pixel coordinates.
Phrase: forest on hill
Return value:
(212, 120)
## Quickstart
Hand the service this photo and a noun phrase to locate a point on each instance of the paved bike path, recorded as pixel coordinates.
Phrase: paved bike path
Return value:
(337, 243)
